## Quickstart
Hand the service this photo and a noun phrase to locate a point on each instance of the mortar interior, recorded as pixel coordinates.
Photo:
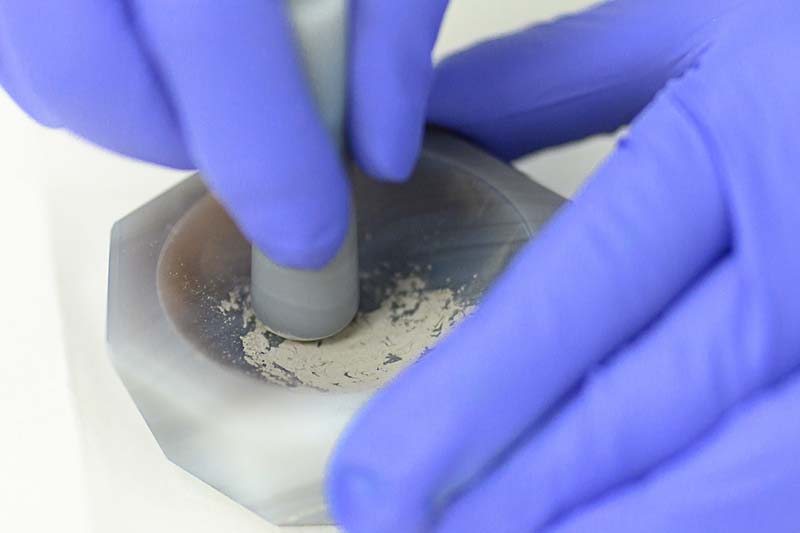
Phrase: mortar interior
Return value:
(446, 227)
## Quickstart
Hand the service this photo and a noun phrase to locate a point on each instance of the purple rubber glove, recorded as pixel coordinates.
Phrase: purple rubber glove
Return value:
(636, 369)
(217, 85)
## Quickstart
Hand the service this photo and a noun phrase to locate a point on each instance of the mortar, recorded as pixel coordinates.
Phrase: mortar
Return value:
(263, 438)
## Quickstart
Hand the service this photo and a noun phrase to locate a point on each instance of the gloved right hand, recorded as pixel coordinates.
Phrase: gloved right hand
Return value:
(637, 367)
(218, 86)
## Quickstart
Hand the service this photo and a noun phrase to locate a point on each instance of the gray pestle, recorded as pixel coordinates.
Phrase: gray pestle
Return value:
(310, 305)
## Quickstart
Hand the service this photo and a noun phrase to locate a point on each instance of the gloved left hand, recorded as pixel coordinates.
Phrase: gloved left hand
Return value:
(636, 369)
(218, 85)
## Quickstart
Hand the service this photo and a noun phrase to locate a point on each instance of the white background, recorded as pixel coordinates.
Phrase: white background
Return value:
(74, 453)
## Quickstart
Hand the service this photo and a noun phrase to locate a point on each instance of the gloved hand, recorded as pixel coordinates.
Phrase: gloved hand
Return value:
(217, 85)
(636, 369)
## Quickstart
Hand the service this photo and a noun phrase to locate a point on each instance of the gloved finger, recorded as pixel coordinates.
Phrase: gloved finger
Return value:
(24, 100)
(79, 64)
(650, 221)
(565, 80)
(654, 398)
(391, 74)
(743, 477)
(251, 123)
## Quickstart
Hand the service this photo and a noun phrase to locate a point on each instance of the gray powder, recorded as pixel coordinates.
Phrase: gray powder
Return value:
(368, 353)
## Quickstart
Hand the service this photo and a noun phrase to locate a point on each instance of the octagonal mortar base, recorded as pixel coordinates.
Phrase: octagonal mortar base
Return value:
(266, 445)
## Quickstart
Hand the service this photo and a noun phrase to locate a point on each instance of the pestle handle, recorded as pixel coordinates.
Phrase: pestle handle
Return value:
(314, 304)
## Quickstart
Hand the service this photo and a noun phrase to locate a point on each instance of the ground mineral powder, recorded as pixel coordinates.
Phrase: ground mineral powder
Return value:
(369, 352)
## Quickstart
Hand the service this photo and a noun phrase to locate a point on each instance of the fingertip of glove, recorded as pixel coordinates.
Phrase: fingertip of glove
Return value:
(312, 251)
(359, 501)
(351, 494)
(303, 233)
(387, 169)
(46, 120)
(31, 105)
(390, 156)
